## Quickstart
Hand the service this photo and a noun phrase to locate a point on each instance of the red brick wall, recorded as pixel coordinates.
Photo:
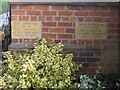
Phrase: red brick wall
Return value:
(58, 24)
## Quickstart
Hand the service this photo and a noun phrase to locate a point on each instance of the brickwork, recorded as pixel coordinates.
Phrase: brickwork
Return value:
(58, 24)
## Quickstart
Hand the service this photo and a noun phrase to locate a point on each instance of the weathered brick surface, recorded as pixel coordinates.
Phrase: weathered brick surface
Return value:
(58, 24)
(64, 24)
(14, 18)
(25, 18)
(65, 13)
(52, 8)
(57, 30)
(18, 12)
(49, 24)
(26, 7)
(33, 12)
(49, 13)
(65, 36)
(42, 7)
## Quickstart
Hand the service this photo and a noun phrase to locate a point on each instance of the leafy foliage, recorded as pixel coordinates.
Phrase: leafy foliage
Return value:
(4, 6)
(91, 82)
(44, 67)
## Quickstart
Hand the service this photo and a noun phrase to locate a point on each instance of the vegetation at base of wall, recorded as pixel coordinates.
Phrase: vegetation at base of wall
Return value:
(43, 67)
(91, 82)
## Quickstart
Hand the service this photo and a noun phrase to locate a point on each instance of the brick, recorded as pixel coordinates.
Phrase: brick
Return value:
(112, 25)
(96, 42)
(98, 19)
(17, 12)
(26, 7)
(97, 54)
(44, 29)
(26, 41)
(96, 65)
(20, 18)
(57, 8)
(94, 49)
(65, 36)
(87, 54)
(118, 32)
(41, 18)
(80, 19)
(92, 71)
(65, 41)
(33, 40)
(72, 19)
(52, 36)
(88, 42)
(57, 18)
(113, 31)
(85, 64)
(14, 7)
(111, 19)
(33, 13)
(57, 41)
(47, 35)
(78, 59)
(80, 13)
(41, 7)
(14, 40)
(33, 18)
(64, 24)
(49, 13)
(14, 18)
(20, 41)
(108, 13)
(100, 8)
(118, 25)
(25, 18)
(64, 18)
(94, 14)
(65, 13)
(57, 30)
(73, 41)
(88, 19)
(93, 60)
(49, 18)
(104, 8)
(87, 8)
(103, 41)
(74, 35)
(51, 24)
(113, 8)
(70, 30)
(72, 7)
(81, 42)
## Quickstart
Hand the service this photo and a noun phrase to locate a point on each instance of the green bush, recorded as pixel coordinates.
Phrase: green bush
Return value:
(43, 67)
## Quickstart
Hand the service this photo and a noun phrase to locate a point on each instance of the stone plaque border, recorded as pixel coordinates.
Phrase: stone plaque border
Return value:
(88, 36)
(26, 36)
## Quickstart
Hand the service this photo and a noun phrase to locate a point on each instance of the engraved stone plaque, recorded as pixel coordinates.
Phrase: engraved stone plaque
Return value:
(94, 30)
(25, 29)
